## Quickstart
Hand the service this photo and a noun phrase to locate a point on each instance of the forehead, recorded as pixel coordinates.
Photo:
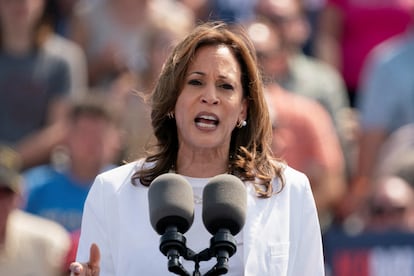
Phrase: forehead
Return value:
(214, 56)
(219, 50)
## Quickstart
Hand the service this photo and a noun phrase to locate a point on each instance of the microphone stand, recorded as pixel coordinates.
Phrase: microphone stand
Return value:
(222, 246)
(172, 245)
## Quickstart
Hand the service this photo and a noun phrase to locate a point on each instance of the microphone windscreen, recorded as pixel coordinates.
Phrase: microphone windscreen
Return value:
(224, 204)
(171, 203)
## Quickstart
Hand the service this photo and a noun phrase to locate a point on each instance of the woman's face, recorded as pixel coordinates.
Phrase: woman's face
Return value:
(211, 101)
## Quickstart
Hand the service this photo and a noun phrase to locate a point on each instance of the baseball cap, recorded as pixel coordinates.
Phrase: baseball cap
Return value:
(10, 169)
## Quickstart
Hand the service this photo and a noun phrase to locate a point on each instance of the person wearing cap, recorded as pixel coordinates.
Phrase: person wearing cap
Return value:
(29, 245)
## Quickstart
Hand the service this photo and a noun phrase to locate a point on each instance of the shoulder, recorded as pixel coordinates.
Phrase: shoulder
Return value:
(308, 103)
(392, 52)
(122, 170)
(52, 64)
(297, 193)
(315, 70)
(296, 184)
(119, 176)
(295, 178)
(315, 112)
(51, 58)
(61, 46)
(292, 178)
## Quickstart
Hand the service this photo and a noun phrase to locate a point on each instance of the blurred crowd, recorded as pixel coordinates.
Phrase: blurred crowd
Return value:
(74, 81)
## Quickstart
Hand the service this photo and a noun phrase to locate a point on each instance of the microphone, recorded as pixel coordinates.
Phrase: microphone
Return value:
(224, 214)
(171, 209)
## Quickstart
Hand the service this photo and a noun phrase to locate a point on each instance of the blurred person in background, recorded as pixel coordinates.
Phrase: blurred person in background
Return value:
(169, 22)
(307, 143)
(386, 103)
(232, 11)
(29, 245)
(396, 156)
(123, 55)
(58, 191)
(391, 205)
(302, 74)
(348, 30)
(312, 9)
(33, 83)
(305, 75)
(378, 238)
(113, 35)
(201, 9)
(58, 44)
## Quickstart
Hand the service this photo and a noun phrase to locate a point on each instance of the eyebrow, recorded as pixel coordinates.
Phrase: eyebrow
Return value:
(197, 73)
(203, 74)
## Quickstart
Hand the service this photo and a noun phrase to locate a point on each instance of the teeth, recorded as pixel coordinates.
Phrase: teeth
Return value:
(205, 117)
(204, 125)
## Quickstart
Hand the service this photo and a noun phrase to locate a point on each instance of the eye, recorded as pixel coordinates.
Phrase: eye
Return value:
(194, 82)
(227, 86)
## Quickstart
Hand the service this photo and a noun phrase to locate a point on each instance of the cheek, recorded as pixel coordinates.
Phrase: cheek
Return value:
(183, 122)
(183, 109)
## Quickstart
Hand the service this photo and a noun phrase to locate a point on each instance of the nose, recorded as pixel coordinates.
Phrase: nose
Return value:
(209, 95)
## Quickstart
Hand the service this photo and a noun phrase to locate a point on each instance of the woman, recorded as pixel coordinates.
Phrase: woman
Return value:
(210, 117)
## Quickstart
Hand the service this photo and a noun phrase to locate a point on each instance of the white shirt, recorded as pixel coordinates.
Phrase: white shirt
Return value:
(281, 235)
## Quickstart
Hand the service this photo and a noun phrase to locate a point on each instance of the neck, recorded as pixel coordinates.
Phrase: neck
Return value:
(202, 165)
(17, 42)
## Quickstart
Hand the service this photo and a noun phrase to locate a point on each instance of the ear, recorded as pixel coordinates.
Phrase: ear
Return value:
(243, 111)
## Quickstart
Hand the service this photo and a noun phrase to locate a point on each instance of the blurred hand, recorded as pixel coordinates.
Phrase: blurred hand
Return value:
(91, 268)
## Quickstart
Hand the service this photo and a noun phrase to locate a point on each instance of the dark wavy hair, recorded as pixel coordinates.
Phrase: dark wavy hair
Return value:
(250, 156)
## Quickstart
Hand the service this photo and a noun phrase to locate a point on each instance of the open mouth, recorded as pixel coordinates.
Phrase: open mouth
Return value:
(206, 121)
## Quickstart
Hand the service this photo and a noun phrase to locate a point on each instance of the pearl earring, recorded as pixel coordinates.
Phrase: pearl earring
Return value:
(241, 124)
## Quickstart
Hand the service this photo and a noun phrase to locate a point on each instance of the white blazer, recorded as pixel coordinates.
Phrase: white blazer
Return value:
(281, 235)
